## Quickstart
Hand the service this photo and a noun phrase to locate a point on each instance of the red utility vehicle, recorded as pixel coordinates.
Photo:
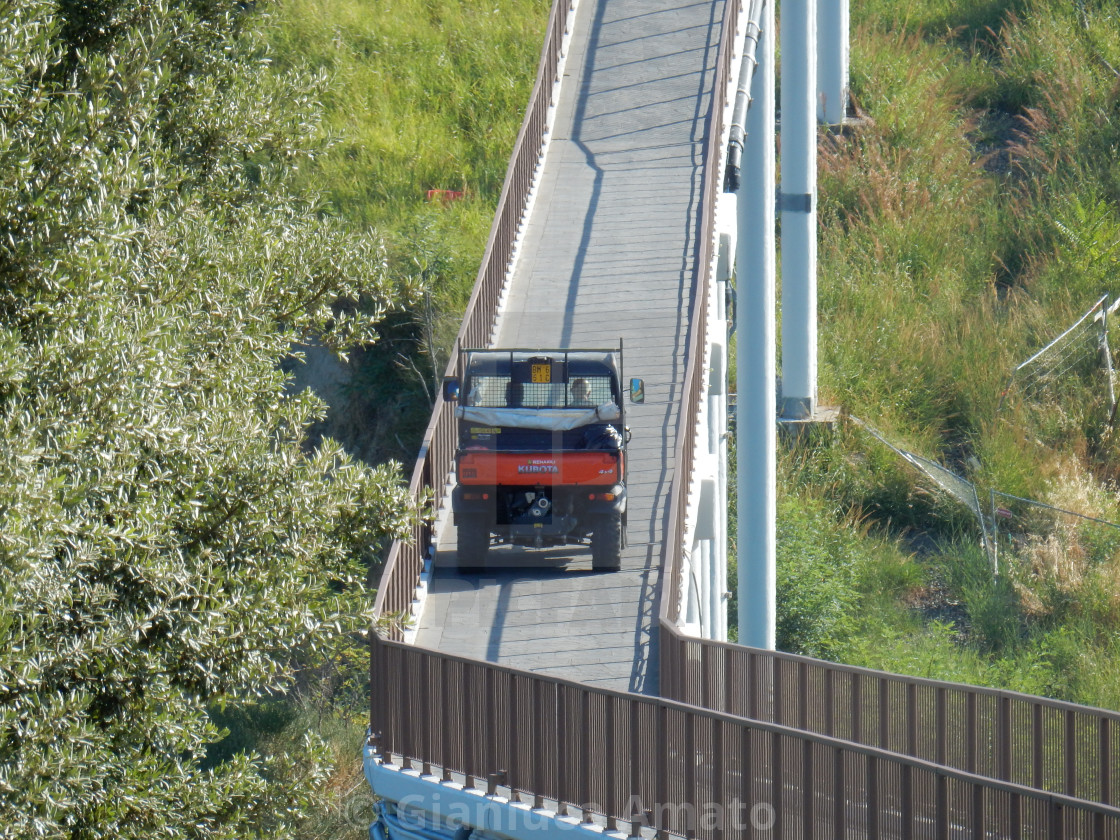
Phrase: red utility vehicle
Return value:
(541, 457)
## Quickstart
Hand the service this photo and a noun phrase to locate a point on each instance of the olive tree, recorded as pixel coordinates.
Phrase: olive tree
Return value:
(167, 540)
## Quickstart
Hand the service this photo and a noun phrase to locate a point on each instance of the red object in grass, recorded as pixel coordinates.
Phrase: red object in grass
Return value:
(444, 196)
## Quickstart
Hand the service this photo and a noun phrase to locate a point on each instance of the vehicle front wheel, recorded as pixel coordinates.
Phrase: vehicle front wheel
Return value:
(474, 542)
(606, 543)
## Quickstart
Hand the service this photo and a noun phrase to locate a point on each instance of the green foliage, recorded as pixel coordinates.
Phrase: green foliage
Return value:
(420, 95)
(167, 544)
(816, 582)
(424, 95)
(965, 224)
(995, 617)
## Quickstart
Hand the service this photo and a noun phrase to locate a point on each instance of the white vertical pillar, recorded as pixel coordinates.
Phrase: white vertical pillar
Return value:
(832, 61)
(721, 490)
(717, 446)
(755, 376)
(799, 211)
(691, 593)
(703, 551)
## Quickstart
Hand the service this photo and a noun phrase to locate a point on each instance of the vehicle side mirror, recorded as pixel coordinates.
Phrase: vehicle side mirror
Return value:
(637, 391)
(451, 389)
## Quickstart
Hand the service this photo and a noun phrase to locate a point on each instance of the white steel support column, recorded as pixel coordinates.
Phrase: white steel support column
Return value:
(717, 440)
(721, 479)
(756, 367)
(704, 550)
(704, 538)
(832, 61)
(799, 210)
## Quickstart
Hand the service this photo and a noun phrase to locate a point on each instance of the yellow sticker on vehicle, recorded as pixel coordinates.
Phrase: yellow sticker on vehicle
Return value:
(484, 430)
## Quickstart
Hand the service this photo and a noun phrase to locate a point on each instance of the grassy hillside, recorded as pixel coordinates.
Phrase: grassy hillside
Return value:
(971, 220)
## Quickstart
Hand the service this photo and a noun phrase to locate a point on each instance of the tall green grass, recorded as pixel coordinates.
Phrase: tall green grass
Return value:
(970, 221)
(424, 94)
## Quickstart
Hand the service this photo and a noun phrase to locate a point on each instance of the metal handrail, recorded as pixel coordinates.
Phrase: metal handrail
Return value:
(1044, 744)
(681, 769)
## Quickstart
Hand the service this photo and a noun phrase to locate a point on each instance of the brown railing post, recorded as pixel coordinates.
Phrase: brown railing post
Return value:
(717, 740)
(906, 794)
(803, 692)
(1105, 795)
(486, 745)
(1003, 738)
(612, 768)
(808, 788)
(752, 684)
(911, 718)
(445, 719)
(662, 781)
(940, 716)
(1057, 824)
(884, 714)
(377, 708)
(857, 709)
(970, 733)
(1037, 744)
(829, 702)
(470, 759)
(777, 782)
(1070, 753)
(746, 766)
(584, 763)
(941, 812)
(730, 690)
(563, 780)
(689, 776)
(777, 698)
(537, 738)
(872, 797)
(703, 676)
(977, 811)
(635, 764)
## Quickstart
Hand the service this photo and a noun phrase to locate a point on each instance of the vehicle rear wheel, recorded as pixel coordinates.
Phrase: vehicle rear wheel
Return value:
(474, 541)
(606, 543)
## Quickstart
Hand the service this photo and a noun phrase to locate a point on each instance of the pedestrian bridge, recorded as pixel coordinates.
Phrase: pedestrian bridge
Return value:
(542, 696)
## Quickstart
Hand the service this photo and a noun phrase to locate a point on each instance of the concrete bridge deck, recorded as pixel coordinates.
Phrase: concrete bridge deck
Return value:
(608, 253)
